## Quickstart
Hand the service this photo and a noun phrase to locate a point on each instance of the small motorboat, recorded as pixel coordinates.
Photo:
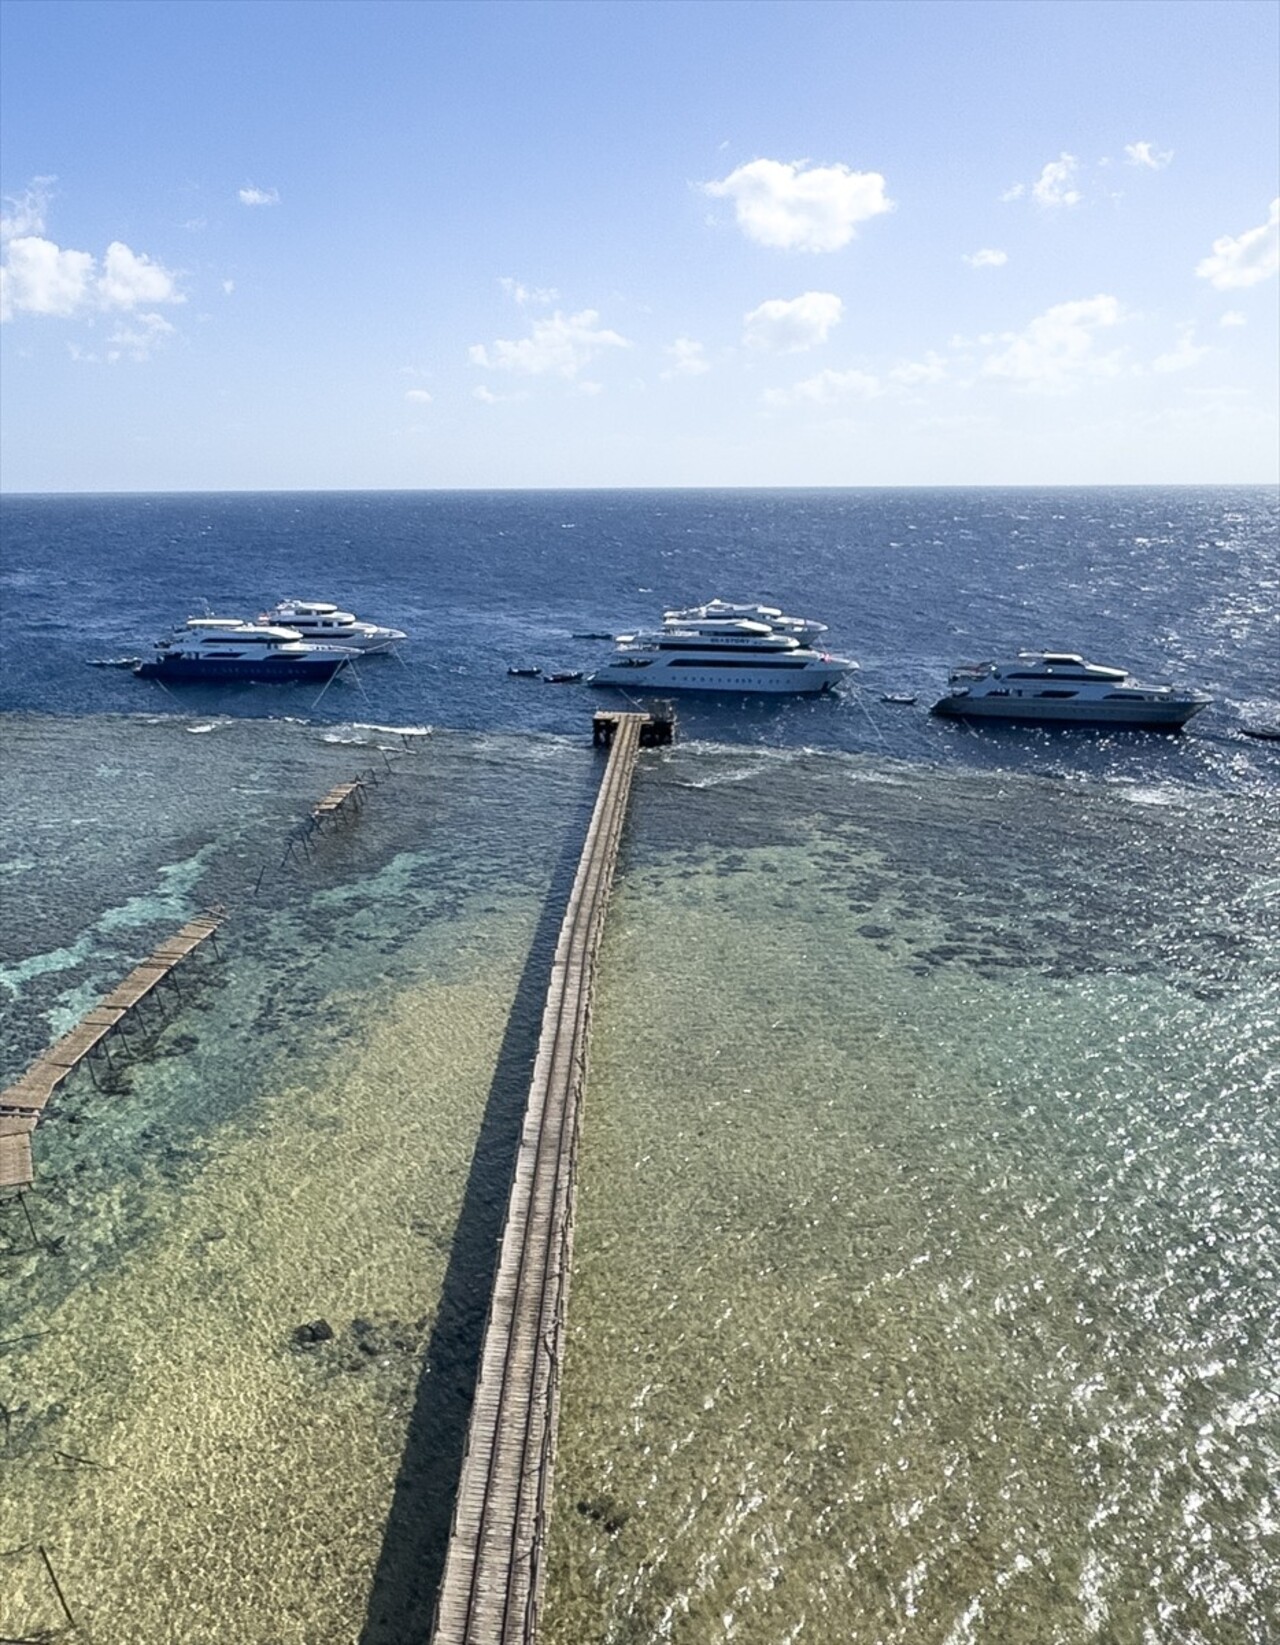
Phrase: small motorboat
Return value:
(524, 673)
(569, 678)
(906, 698)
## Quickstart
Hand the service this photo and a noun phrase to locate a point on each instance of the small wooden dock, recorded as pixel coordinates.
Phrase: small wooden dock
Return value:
(23, 1102)
(336, 799)
(493, 1576)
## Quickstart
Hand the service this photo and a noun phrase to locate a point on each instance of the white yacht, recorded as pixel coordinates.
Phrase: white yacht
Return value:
(804, 629)
(1061, 688)
(226, 648)
(719, 656)
(319, 621)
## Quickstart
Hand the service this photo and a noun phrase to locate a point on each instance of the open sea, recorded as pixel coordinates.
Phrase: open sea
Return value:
(928, 1236)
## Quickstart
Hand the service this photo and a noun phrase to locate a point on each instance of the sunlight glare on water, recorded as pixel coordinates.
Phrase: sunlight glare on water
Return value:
(924, 1287)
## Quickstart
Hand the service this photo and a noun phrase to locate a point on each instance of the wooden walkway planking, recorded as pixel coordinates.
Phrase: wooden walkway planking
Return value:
(30, 1094)
(336, 798)
(16, 1168)
(492, 1583)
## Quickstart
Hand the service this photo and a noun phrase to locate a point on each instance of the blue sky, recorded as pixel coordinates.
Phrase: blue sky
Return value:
(328, 245)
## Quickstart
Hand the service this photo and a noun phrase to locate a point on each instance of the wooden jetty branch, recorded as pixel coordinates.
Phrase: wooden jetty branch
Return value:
(491, 1588)
(336, 798)
(15, 1151)
(25, 1100)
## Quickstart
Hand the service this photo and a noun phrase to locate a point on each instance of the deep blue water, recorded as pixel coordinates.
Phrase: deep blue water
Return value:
(1175, 583)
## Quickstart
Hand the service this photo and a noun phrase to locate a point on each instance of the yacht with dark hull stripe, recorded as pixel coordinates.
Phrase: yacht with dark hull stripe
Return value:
(1061, 688)
(221, 649)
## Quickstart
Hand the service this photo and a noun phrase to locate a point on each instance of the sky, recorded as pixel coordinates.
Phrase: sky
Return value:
(307, 244)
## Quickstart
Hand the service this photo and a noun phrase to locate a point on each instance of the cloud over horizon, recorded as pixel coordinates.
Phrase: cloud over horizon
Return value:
(1145, 154)
(782, 204)
(826, 388)
(786, 326)
(558, 346)
(1057, 349)
(1246, 259)
(40, 277)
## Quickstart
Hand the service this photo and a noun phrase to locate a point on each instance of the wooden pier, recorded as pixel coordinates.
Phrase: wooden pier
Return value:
(494, 1569)
(22, 1104)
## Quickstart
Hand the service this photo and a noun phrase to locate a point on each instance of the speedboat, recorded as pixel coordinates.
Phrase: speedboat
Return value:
(1061, 688)
(719, 655)
(804, 629)
(319, 621)
(226, 648)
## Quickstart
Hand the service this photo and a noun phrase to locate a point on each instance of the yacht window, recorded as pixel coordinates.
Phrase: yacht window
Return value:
(732, 662)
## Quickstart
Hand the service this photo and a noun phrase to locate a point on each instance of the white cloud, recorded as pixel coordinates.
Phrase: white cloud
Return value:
(782, 204)
(133, 339)
(1014, 192)
(1058, 348)
(138, 337)
(129, 278)
(687, 359)
(559, 346)
(588, 388)
(39, 277)
(826, 388)
(986, 258)
(1056, 183)
(419, 396)
(528, 294)
(1233, 317)
(252, 196)
(228, 286)
(1250, 257)
(487, 397)
(28, 211)
(932, 369)
(788, 325)
(1143, 154)
(1187, 352)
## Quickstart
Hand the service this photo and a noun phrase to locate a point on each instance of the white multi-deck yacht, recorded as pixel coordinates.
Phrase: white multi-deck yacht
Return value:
(719, 655)
(319, 621)
(804, 629)
(225, 648)
(1061, 688)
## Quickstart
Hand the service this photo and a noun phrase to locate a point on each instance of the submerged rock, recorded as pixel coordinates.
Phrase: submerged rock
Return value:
(312, 1332)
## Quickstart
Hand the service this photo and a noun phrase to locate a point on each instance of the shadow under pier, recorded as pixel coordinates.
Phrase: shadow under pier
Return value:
(416, 1536)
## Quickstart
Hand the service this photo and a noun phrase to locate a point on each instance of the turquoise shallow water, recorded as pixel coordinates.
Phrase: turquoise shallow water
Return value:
(297, 1140)
(926, 1251)
(927, 1246)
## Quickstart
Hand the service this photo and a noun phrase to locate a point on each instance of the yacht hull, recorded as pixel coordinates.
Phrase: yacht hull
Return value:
(658, 681)
(223, 670)
(1170, 716)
